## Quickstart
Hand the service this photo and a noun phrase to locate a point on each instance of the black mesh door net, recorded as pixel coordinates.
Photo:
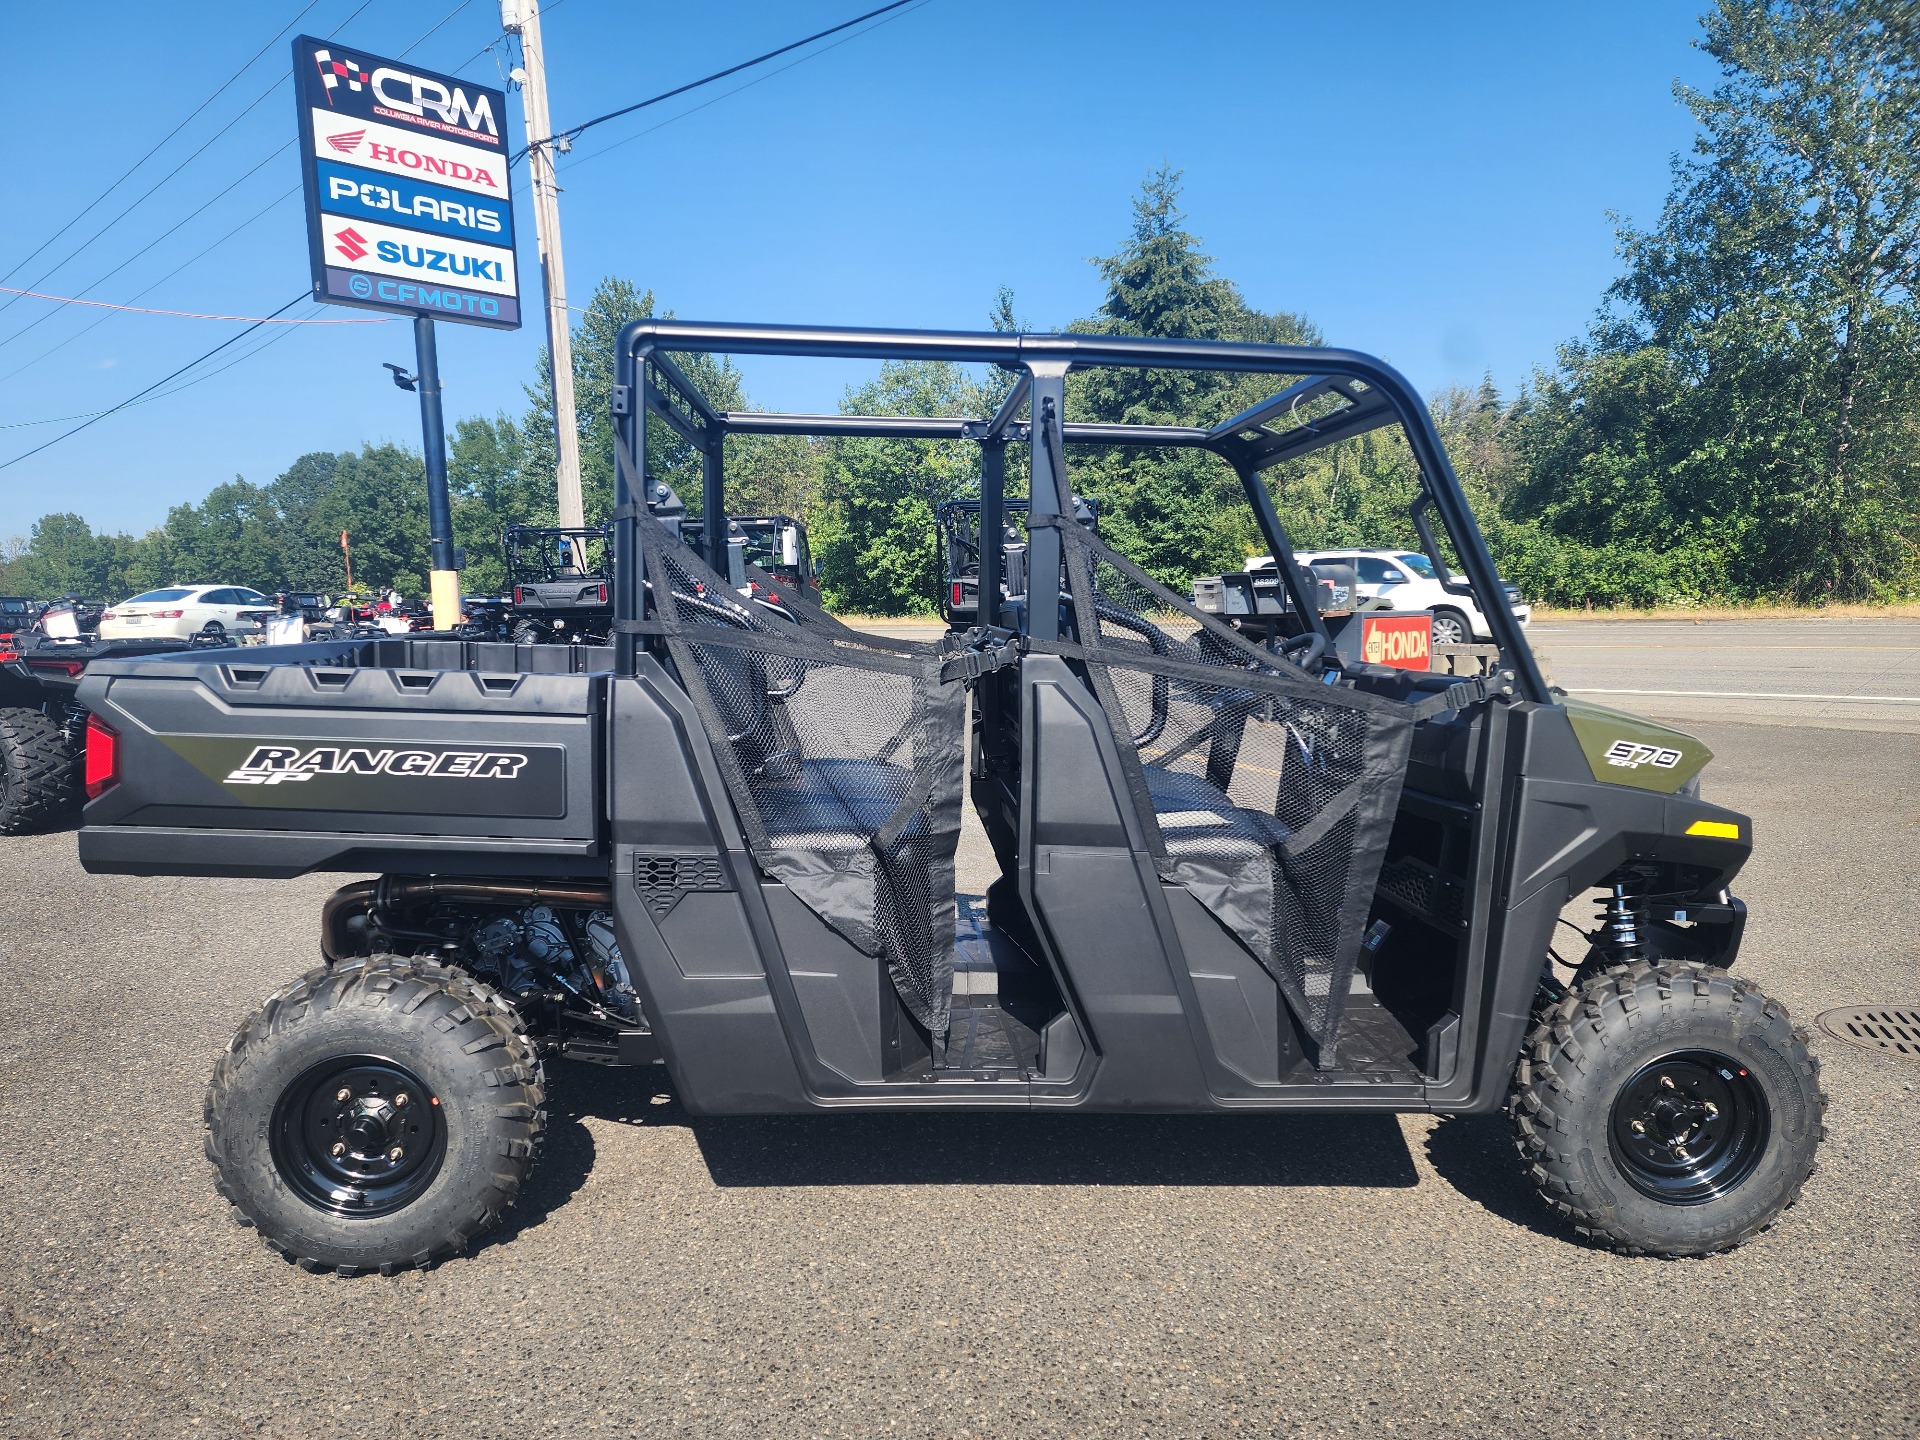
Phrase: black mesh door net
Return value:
(843, 752)
(1265, 793)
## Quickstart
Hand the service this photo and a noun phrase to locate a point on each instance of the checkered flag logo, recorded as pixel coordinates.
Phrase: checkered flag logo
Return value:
(333, 71)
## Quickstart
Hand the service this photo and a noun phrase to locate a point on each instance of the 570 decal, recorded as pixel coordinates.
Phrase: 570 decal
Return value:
(1631, 755)
(286, 764)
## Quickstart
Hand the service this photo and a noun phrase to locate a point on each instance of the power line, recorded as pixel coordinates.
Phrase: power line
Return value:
(151, 243)
(287, 327)
(206, 250)
(95, 419)
(584, 126)
(179, 314)
(224, 85)
(251, 106)
(85, 329)
(757, 80)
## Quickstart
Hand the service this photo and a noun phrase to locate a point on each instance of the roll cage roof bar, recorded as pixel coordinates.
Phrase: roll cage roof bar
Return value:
(1374, 395)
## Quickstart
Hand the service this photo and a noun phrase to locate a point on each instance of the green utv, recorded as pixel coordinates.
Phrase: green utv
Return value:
(1235, 874)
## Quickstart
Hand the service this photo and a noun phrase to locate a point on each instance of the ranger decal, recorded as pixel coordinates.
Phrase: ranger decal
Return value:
(285, 764)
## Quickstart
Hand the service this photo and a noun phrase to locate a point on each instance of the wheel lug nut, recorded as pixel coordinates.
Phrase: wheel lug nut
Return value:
(339, 1148)
(343, 1094)
(1713, 1111)
(1639, 1127)
(395, 1153)
(400, 1100)
(1666, 1082)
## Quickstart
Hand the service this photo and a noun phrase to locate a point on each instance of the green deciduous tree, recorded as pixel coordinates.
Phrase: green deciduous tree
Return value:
(1742, 416)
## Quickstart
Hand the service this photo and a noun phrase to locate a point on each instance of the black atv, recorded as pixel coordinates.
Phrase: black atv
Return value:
(775, 545)
(1236, 875)
(957, 533)
(562, 583)
(43, 726)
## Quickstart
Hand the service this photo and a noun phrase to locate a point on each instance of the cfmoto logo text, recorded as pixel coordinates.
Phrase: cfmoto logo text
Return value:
(290, 764)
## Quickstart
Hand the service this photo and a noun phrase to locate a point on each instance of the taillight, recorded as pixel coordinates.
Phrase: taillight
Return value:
(959, 597)
(603, 594)
(518, 597)
(106, 615)
(103, 758)
(168, 614)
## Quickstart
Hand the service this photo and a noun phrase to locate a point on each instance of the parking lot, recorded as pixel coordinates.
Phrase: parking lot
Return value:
(993, 1275)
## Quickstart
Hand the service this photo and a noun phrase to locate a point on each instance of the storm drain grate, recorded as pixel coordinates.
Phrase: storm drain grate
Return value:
(1882, 1029)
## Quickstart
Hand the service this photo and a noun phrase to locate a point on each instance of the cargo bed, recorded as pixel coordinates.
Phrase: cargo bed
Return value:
(365, 755)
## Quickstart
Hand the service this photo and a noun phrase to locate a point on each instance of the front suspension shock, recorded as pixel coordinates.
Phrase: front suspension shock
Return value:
(1622, 913)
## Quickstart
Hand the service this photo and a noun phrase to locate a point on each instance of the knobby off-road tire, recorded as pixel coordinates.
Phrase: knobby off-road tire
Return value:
(39, 781)
(325, 1063)
(1641, 1054)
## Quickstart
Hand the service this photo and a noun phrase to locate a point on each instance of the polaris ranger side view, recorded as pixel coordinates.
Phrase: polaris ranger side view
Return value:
(1234, 875)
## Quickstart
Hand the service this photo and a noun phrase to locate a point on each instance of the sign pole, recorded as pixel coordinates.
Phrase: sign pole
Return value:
(433, 445)
(522, 17)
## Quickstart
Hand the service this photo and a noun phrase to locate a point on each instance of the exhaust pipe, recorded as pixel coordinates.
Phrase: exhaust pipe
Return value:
(360, 900)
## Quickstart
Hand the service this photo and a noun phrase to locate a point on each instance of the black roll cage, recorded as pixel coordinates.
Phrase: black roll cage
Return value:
(1375, 394)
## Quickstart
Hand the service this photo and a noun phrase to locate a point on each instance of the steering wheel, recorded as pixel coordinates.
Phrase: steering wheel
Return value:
(1304, 650)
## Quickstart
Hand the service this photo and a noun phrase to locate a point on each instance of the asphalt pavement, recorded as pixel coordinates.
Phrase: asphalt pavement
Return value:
(981, 1276)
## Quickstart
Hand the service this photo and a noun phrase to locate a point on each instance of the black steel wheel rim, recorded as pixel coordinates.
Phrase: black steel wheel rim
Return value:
(1689, 1127)
(358, 1136)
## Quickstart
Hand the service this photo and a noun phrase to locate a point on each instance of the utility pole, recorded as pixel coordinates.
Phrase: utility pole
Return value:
(522, 18)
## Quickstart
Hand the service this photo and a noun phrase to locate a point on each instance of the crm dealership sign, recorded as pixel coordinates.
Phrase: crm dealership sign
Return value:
(408, 198)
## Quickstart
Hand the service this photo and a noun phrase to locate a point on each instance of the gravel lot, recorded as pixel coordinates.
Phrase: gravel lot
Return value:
(994, 1275)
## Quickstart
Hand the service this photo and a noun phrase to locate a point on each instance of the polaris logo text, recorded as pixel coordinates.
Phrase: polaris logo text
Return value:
(483, 218)
(1631, 755)
(289, 764)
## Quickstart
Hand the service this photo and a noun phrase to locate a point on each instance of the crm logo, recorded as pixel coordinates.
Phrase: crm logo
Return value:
(350, 243)
(347, 141)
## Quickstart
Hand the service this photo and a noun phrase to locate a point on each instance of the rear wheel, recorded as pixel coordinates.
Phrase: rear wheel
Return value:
(38, 778)
(376, 1115)
(1669, 1109)
(1450, 628)
(527, 632)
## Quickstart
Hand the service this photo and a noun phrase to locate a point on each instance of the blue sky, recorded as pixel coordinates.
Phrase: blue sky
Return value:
(1430, 183)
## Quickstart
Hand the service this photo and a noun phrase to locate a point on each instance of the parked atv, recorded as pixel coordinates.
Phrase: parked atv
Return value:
(1237, 875)
(957, 531)
(561, 583)
(43, 726)
(776, 545)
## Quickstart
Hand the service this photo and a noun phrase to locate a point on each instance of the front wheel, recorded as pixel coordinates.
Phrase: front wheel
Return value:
(376, 1115)
(1668, 1109)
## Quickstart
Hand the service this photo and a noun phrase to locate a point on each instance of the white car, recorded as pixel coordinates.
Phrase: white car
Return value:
(1405, 579)
(180, 611)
